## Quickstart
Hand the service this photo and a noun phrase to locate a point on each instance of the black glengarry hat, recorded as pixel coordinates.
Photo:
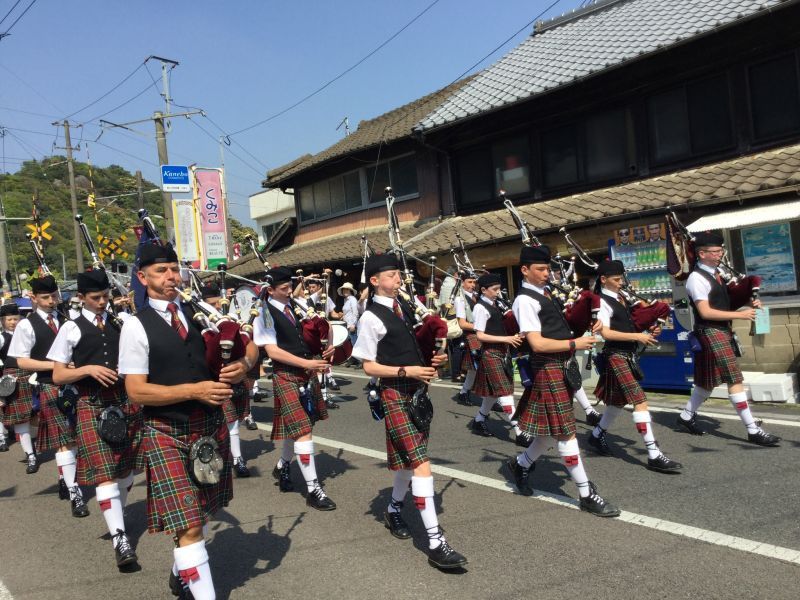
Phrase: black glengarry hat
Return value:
(278, 276)
(610, 267)
(534, 255)
(44, 285)
(488, 280)
(377, 263)
(95, 280)
(151, 254)
(707, 238)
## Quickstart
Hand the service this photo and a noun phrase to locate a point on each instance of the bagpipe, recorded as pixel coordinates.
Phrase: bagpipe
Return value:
(318, 332)
(45, 270)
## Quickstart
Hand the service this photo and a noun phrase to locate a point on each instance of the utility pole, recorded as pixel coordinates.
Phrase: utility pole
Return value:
(139, 189)
(163, 159)
(73, 196)
(3, 253)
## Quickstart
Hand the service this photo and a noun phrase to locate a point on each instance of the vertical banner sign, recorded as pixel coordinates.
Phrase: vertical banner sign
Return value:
(211, 205)
(186, 242)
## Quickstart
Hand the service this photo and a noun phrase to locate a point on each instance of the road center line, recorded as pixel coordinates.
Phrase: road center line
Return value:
(679, 529)
(4, 593)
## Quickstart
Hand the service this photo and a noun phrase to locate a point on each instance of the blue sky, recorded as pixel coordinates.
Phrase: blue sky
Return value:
(241, 62)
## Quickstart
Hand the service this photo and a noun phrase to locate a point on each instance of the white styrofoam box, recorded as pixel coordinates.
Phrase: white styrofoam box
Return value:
(774, 387)
(721, 391)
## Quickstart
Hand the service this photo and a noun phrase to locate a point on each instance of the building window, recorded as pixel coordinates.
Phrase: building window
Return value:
(399, 173)
(511, 161)
(475, 178)
(606, 145)
(774, 97)
(352, 190)
(267, 231)
(483, 172)
(307, 212)
(691, 120)
(560, 156)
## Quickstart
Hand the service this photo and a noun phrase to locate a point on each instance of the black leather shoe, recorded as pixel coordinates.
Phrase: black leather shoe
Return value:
(79, 508)
(396, 525)
(520, 475)
(33, 464)
(63, 490)
(331, 404)
(284, 478)
(594, 503)
(123, 549)
(319, 500)
(240, 468)
(662, 464)
(593, 418)
(178, 588)
(599, 444)
(762, 438)
(251, 424)
(332, 385)
(463, 399)
(691, 425)
(524, 440)
(445, 558)
(480, 428)
(3, 444)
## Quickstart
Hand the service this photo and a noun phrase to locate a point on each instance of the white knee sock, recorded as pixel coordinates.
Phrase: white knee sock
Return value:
(23, 433)
(469, 381)
(125, 484)
(3, 430)
(739, 401)
(422, 490)
(287, 452)
(192, 564)
(402, 479)
(485, 409)
(110, 502)
(643, 422)
(538, 447)
(583, 400)
(609, 414)
(65, 461)
(236, 443)
(507, 402)
(699, 395)
(571, 455)
(305, 458)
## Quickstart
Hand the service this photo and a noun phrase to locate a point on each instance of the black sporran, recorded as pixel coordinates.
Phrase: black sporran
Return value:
(572, 375)
(205, 461)
(738, 351)
(508, 366)
(67, 401)
(420, 410)
(636, 368)
(112, 425)
(8, 385)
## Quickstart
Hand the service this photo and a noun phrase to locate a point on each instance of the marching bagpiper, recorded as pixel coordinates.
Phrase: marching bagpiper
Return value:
(464, 304)
(9, 317)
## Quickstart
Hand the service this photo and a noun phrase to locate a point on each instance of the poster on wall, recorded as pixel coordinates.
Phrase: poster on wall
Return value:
(186, 239)
(626, 236)
(768, 253)
(211, 205)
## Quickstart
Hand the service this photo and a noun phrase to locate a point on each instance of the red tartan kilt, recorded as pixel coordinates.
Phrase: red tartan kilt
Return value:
(289, 418)
(238, 407)
(19, 405)
(55, 430)
(716, 363)
(174, 501)
(470, 343)
(99, 461)
(617, 386)
(406, 446)
(491, 379)
(545, 408)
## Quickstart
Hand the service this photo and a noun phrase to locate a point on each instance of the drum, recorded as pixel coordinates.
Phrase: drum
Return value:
(340, 338)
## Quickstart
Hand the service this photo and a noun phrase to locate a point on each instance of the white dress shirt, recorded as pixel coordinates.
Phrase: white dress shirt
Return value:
(698, 287)
(371, 330)
(606, 310)
(480, 314)
(526, 310)
(461, 307)
(134, 350)
(264, 329)
(68, 337)
(24, 337)
(350, 310)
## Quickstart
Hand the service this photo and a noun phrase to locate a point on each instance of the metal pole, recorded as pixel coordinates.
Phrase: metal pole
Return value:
(73, 199)
(3, 253)
(163, 159)
(139, 188)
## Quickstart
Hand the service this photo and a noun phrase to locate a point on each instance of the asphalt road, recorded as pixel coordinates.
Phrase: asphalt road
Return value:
(727, 527)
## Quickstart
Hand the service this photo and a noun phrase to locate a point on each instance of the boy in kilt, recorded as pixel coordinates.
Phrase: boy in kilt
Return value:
(9, 317)
(84, 354)
(388, 350)
(162, 356)
(298, 398)
(494, 380)
(617, 385)
(545, 410)
(716, 362)
(30, 345)
(464, 305)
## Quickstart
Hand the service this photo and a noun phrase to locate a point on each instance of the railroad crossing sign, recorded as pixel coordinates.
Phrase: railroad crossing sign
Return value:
(115, 247)
(37, 231)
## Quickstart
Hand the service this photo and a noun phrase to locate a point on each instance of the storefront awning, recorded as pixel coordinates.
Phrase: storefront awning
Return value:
(732, 219)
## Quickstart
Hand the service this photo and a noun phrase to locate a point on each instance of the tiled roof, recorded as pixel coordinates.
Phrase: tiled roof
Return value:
(586, 42)
(732, 180)
(389, 127)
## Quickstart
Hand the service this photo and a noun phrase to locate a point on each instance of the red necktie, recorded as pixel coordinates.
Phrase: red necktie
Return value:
(52, 324)
(546, 293)
(99, 322)
(717, 277)
(177, 324)
(288, 312)
(397, 310)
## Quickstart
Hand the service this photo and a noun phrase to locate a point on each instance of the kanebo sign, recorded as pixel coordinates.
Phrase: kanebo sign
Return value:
(175, 178)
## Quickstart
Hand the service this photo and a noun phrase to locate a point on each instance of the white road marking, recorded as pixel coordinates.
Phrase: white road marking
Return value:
(679, 529)
(4, 593)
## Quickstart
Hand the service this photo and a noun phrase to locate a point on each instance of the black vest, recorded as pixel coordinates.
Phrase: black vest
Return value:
(717, 298)
(621, 321)
(289, 336)
(44, 339)
(494, 326)
(173, 361)
(8, 361)
(551, 317)
(95, 347)
(398, 348)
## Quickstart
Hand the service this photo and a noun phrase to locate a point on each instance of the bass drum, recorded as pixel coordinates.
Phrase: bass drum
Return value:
(244, 297)
(340, 338)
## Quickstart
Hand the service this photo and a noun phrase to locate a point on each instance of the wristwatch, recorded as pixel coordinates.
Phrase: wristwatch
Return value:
(572, 346)
(401, 372)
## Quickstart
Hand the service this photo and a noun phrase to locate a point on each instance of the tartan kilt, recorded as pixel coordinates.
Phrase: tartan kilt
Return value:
(716, 362)
(55, 429)
(289, 418)
(491, 379)
(237, 407)
(617, 386)
(406, 446)
(470, 343)
(19, 405)
(99, 461)
(174, 501)
(545, 408)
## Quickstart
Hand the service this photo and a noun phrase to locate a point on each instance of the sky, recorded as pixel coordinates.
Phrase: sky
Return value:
(241, 62)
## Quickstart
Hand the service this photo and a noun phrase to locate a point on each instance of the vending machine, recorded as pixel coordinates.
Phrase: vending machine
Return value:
(643, 250)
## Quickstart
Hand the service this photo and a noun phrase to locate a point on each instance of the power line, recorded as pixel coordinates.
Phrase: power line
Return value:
(30, 87)
(28, 112)
(211, 135)
(22, 14)
(340, 75)
(109, 92)
(108, 112)
(10, 11)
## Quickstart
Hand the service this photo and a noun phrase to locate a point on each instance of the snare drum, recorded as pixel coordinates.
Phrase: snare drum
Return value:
(340, 339)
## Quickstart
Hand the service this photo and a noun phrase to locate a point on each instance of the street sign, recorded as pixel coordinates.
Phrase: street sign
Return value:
(175, 178)
(35, 233)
